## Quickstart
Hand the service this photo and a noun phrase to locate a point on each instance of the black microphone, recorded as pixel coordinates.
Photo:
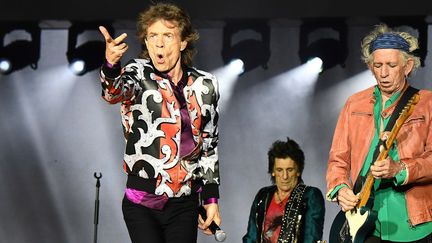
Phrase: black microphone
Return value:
(219, 234)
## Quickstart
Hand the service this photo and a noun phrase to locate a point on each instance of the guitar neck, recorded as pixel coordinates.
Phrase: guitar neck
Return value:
(365, 192)
(384, 150)
(369, 182)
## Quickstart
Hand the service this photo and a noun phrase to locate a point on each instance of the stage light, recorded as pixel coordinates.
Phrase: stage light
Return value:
(332, 50)
(227, 77)
(77, 66)
(316, 64)
(253, 52)
(416, 26)
(237, 66)
(5, 65)
(19, 53)
(89, 55)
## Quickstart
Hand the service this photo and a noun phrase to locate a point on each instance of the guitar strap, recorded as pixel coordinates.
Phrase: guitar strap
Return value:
(290, 220)
(406, 96)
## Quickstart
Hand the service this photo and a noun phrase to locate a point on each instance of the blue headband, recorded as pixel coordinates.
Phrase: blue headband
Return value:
(389, 41)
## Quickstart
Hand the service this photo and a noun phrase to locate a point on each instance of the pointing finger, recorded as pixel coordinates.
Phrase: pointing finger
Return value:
(105, 33)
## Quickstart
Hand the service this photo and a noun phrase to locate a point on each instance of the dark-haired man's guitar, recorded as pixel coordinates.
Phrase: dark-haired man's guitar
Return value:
(355, 225)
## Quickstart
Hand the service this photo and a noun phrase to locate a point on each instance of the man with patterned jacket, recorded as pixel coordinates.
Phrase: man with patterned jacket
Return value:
(169, 113)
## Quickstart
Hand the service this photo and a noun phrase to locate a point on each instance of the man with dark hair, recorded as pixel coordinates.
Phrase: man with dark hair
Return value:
(288, 211)
(170, 121)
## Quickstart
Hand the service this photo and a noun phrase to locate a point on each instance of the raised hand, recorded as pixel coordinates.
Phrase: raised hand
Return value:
(115, 48)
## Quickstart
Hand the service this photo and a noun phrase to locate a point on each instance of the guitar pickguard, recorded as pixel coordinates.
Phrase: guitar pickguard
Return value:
(356, 220)
(352, 226)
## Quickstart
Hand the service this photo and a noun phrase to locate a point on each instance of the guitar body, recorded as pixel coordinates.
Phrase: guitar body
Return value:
(352, 226)
(339, 231)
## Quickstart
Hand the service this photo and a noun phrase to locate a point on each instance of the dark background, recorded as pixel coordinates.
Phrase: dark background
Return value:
(213, 10)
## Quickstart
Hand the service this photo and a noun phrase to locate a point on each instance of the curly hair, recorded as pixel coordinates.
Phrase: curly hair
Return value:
(282, 150)
(382, 29)
(174, 14)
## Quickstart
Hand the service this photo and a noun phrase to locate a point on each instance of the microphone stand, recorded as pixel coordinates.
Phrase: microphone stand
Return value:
(96, 213)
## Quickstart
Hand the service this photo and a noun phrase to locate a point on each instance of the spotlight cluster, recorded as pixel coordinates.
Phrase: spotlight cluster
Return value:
(20, 52)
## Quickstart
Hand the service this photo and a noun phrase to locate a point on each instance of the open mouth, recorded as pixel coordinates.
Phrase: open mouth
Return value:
(160, 58)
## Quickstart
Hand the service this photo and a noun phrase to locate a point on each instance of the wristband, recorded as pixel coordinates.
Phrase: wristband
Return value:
(109, 64)
(210, 200)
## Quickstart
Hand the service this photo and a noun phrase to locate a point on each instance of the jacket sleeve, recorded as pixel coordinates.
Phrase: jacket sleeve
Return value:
(252, 230)
(209, 159)
(120, 84)
(314, 216)
(338, 167)
(415, 143)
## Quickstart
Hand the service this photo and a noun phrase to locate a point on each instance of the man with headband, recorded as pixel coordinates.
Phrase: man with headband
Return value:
(401, 194)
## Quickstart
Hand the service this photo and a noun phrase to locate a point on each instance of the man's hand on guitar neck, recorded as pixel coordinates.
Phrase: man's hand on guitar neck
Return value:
(347, 199)
(386, 169)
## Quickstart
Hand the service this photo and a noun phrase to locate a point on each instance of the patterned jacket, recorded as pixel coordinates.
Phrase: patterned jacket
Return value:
(152, 127)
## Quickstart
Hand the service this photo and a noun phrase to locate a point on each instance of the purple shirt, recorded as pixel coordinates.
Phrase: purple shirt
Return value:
(187, 143)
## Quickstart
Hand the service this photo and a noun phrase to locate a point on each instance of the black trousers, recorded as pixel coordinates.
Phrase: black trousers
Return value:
(176, 223)
(374, 239)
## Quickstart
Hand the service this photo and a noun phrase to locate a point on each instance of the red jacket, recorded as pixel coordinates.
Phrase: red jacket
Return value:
(352, 138)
